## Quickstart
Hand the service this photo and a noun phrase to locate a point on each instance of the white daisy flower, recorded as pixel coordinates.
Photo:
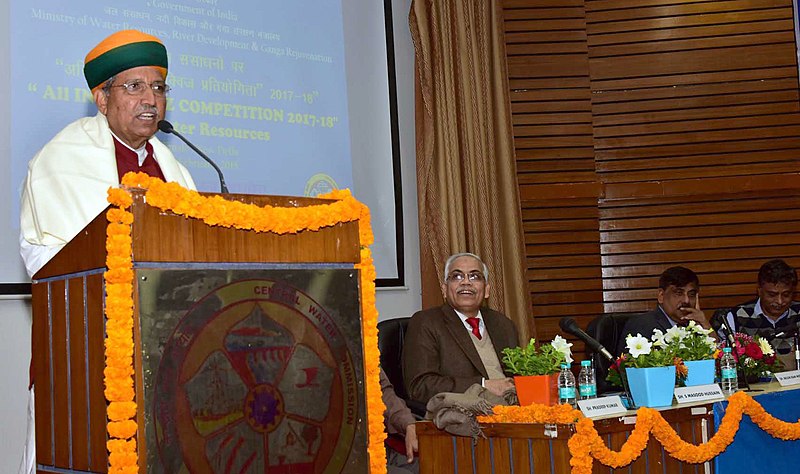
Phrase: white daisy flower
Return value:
(637, 345)
(658, 338)
(765, 347)
(674, 334)
(561, 345)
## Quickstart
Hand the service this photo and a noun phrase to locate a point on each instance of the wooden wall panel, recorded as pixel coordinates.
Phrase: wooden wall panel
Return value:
(651, 133)
(707, 73)
(724, 238)
(551, 111)
(550, 95)
(562, 244)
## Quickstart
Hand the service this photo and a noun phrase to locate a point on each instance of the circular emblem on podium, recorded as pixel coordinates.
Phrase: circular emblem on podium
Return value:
(256, 377)
(318, 184)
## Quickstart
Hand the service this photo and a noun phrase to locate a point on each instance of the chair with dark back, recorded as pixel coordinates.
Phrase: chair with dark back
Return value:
(607, 329)
(391, 337)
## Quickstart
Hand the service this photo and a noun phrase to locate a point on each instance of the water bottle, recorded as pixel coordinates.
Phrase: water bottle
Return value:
(729, 382)
(566, 386)
(587, 387)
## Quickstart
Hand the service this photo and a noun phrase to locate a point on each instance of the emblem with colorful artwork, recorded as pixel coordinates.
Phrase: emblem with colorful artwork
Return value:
(257, 377)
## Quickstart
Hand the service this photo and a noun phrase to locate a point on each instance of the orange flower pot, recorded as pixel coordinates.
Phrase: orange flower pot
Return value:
(541, 389)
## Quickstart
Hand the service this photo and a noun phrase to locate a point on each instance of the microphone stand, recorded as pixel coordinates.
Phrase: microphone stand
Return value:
(569, 325)
(732, 344)
(743, 377)
(626, 390)
(167, 127)
(223, 188)
(795, 333)
(747, 384)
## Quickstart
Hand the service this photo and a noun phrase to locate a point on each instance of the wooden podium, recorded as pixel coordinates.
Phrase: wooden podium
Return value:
(247, 348)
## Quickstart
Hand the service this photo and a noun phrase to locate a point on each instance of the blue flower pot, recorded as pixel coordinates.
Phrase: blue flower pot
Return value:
(701, 372)
(653, 386)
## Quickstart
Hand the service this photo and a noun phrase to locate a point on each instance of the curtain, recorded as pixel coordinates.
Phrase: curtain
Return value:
(466, 174)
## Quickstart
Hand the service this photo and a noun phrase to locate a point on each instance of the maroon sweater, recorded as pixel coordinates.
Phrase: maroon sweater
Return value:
(128, 160)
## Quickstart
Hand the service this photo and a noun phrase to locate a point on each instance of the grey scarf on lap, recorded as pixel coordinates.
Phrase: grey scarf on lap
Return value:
(455, 412)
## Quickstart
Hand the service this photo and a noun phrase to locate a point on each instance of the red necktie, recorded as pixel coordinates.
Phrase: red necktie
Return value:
(476, 324)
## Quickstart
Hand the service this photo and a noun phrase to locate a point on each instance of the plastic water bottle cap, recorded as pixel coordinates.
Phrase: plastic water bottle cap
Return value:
(726, 349)
(564, 366)
(586, 363)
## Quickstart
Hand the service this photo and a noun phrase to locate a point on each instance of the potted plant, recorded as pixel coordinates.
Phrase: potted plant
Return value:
(754, 356)
(651, 369)
(536, 369)
(694, 345)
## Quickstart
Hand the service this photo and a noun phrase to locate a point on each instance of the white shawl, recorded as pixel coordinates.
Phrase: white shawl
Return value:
(68, 180)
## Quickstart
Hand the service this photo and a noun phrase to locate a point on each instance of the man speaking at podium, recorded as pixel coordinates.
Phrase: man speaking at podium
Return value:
(67, 180)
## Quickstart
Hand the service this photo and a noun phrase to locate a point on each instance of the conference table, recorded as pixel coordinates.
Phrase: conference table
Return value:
(542, 448)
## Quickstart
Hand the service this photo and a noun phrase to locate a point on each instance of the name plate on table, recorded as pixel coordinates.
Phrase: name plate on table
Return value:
(602, 406)
(698, 393)
(791, 377)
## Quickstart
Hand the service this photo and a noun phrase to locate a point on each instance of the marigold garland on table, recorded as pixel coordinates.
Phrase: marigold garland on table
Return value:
(586, 444)
(217, 211)
(535, 413)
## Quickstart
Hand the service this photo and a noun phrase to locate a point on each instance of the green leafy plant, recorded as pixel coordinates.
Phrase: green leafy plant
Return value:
(544, 360)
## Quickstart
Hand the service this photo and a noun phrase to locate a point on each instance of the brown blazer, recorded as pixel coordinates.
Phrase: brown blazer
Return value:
(439, 356)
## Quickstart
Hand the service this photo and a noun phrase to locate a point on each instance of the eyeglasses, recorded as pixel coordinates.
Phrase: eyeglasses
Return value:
(458, 277)
(138, 87)
(681, 292)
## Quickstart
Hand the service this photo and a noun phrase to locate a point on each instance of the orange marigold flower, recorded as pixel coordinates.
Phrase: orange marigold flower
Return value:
(681, 370)
(119, 216)
(122, 429)
(118, 411)
(121, 445)
(118, 392)
(119, 197)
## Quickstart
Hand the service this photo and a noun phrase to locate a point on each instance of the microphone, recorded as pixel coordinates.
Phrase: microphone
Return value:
(569, 325)
(792, 331)
(167, 127)
(728, 331)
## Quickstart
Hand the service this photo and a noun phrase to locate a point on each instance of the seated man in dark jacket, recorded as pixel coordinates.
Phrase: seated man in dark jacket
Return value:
(678, 303)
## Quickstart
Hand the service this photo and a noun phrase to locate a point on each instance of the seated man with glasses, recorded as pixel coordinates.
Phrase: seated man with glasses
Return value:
(772, 313)
(68, 179)
(449, 348)
(678, 303)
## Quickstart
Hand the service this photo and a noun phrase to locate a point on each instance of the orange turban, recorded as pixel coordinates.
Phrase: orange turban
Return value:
(121, 51)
